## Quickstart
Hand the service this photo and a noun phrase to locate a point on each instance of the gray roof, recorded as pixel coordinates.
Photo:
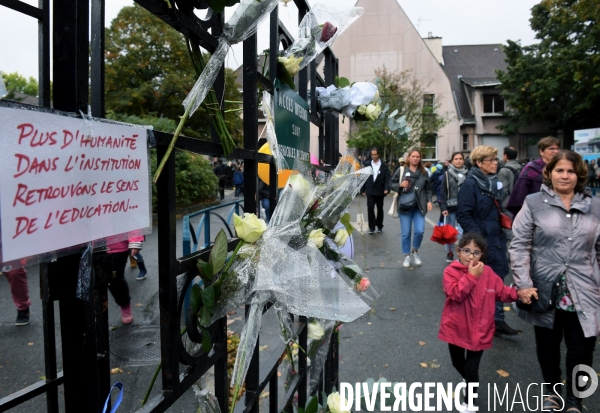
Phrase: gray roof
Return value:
(24, 98)
(469, 67)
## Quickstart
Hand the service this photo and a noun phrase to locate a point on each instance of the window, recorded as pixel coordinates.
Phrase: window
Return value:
(428, 101)
(465, 142)
(429, 145)
(493, 104)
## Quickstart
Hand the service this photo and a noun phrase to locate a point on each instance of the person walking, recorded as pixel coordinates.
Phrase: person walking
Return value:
(452, 180)
(117, 284)
(376, 188)
(557, 242)
(19, 290)
(591, 174)
(478, 211)
(466, 323)
(264, 199)
(436, 180)
(412, 179)
(141, 265)
(221, 171)
(530, 179)
(509, 173)
(238, 181)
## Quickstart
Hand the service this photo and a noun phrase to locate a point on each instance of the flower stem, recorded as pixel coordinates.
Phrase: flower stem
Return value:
(158, 369)
(182, 121)
(290, 355)
(152, 383)
(235, 251)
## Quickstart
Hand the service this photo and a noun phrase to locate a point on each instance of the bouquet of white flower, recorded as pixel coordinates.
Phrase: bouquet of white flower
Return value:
(317, 31)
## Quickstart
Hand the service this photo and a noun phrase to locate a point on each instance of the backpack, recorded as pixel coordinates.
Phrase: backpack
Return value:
(514, 172)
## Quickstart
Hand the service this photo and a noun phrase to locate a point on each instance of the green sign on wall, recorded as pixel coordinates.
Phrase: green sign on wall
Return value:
(292, 124)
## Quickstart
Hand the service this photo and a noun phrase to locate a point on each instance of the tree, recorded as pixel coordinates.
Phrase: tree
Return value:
(401, 93)
(149, 73)
(195, 181)
(14, 82)
(557, 80)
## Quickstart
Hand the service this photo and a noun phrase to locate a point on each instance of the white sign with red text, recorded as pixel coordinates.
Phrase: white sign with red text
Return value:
(66, 181)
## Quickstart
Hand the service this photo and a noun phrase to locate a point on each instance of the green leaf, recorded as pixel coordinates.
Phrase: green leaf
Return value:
(311, 405)
(394, 113)
(205, 316)
(284, 76)
(206, 270)
(345, 220)
(341, 82)
(206, 340)
(195, 297)
(208, 296)
(218, 289)
(351, 270)
(218, 254)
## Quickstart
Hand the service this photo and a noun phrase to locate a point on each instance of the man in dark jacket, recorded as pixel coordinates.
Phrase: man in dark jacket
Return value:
(221, 171)
(531, 177)
(376, 188)
(436, 179)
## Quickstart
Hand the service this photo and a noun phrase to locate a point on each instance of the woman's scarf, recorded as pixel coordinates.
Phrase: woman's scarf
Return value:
(487, 183)
(460, 174)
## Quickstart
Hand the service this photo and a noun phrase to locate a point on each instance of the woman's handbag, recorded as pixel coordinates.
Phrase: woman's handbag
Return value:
(505, 221)
(450, 203)
(407, 201)
(393, 212)
(547, 292)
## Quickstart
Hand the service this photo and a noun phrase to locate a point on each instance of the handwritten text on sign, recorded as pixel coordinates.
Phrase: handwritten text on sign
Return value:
(65, 182)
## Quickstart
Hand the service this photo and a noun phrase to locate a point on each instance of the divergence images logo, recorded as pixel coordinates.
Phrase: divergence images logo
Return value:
(584, 385)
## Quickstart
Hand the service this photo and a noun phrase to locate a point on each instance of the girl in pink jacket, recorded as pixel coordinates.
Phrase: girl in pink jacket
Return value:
(118, 285)
(472, 289)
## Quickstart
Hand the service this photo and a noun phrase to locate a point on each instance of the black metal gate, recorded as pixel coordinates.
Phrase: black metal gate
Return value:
(84, 324)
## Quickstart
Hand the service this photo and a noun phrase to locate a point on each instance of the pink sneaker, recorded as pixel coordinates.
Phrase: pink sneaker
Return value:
(126, 315)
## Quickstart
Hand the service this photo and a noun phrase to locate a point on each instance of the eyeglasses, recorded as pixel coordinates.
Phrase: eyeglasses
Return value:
(468, 252)
(491, 160)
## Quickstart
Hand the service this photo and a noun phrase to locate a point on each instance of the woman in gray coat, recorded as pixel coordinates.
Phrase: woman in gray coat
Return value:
(557, 243)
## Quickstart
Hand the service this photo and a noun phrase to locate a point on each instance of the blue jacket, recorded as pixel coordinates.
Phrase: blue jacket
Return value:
(238, 178)
(477, 212)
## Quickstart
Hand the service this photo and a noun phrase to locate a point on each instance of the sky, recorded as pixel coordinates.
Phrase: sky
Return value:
(458, 22)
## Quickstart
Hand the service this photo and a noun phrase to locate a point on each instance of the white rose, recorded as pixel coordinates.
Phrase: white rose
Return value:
(315, 330)
(301, 188)
(341, 236)
(373, 111)
(291, 64)
(376, 97)
(316, 237)
(362, 109)
(250, 228)
(334, 403)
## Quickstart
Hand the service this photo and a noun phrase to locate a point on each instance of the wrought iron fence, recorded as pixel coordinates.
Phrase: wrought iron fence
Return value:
(78, 81)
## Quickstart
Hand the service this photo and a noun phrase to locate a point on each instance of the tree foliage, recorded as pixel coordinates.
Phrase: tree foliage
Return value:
(558, 79)
(149, 73)
(195, 181)
(401, 92)
(15, 82)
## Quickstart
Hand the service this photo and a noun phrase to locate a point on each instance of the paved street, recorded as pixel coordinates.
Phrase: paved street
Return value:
(396, 340)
